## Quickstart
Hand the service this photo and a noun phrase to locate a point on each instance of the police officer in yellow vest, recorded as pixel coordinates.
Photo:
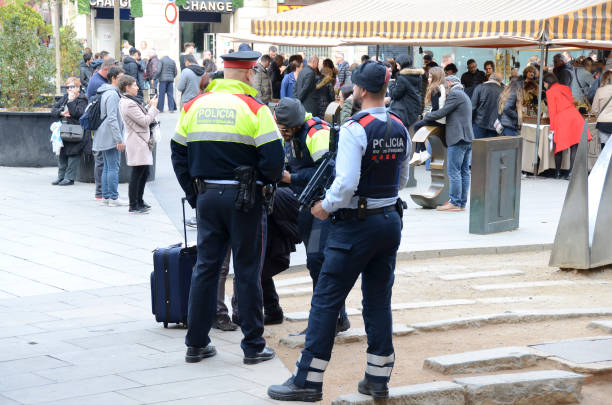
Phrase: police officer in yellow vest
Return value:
(226, 146)
(306, 142)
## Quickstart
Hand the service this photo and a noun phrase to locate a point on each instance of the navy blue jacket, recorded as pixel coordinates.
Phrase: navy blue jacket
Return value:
(95, 82)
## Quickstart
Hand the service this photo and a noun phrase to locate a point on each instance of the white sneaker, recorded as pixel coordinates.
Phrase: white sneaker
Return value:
(117, 203)
(416, 159)
(424, 157)
(104, 201)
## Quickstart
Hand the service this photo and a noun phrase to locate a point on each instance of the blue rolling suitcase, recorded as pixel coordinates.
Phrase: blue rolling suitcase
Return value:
(171, 279)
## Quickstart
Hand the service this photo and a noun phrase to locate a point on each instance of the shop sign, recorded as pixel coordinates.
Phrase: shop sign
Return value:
(282, 9)
(192, 5)
(109, 3)
(209, 6)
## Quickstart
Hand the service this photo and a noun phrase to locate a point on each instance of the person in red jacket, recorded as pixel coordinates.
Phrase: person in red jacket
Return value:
(565, 120)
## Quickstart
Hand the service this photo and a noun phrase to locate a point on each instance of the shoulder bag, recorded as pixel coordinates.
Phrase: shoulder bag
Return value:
(71, 132)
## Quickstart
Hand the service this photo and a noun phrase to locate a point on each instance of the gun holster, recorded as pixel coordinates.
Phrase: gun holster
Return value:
(400, 206)
(247, 187)
(269, 192)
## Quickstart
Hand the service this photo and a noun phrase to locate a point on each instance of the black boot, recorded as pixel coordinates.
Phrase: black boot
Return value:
(196, 354)
(557, 174)
(236, 319)
(291, 392)
(273, 317)
(342, 324)
(266, 354)
(224, 323)
(375, 389)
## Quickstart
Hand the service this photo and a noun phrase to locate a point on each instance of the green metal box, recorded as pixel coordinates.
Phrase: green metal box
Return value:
(495, 194)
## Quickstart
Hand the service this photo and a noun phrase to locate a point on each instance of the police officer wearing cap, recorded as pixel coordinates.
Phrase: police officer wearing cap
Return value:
(306, 142)
(219, 131)
(364, 236)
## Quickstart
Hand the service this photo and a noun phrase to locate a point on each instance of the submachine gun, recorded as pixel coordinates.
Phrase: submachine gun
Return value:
(324, 175)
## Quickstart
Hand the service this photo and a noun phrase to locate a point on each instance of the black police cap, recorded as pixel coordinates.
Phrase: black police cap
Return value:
(244, 58)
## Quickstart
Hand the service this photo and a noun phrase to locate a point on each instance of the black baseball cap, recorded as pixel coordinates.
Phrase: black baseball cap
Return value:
(371, 75)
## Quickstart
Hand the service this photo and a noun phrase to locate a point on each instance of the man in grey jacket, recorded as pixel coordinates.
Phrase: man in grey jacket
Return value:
(261, 81)
(189, 83)
(459, 135)
(306, 86)
(166, 74)
(108, 138)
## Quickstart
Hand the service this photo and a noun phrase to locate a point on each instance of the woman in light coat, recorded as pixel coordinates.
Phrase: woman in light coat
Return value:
(137, 120)
(602, 107)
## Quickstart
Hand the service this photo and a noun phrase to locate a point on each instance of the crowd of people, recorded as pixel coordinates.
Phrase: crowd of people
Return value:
(381, 102)
(128, 110)
(419, 95)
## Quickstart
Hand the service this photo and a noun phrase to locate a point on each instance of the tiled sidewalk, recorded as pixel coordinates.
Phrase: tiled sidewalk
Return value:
(75, 311)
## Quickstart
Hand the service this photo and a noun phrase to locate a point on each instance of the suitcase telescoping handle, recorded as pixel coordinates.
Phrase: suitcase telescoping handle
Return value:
(184, 219)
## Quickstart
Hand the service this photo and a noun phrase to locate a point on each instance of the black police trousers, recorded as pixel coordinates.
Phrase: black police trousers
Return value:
(221, 226)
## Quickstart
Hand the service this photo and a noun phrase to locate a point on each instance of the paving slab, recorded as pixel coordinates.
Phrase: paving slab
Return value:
(25, 380)
(108, 398)
(286, 282)
(294, 291)
(349, 336)
(431, 304)
(435, 393)
(517, 299)
(483, 361)
(480, 274)
(516, 316)
(26, 365)
(234, 398)
(303, 316)
(579, 351)
(187, 389)
(61, 391)
(547, 387)
(526, 284)
(465, 322)
(604, 325)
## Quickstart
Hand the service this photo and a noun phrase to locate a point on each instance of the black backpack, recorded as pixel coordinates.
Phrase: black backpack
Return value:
(92, 117)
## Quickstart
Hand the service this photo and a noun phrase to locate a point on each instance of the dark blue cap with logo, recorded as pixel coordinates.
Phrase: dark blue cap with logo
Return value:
(371, 75)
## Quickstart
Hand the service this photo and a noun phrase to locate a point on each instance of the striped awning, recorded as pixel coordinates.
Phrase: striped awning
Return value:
(286, 40)
(503, 23)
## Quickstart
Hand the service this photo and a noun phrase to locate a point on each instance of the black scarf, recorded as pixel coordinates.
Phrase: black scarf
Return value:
(137, 100)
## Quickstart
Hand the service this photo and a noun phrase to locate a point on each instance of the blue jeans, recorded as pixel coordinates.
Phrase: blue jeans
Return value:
(480, 132)
(110, 173)
(459, 156)
(509, 132)
(166, 88)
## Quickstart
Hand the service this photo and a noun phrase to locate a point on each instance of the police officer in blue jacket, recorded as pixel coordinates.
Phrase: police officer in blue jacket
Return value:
(306, 143)
(365, 233)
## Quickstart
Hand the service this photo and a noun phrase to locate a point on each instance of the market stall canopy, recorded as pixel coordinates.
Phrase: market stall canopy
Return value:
(285, 40)
(504, 23)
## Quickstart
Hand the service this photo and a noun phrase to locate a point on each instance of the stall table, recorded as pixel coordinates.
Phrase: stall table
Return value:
(546, 156)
